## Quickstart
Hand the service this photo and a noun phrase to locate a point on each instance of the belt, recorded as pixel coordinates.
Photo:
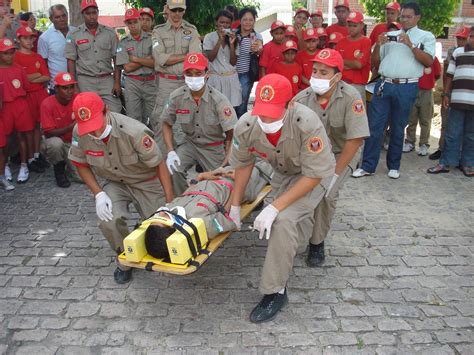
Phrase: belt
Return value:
(142, 77)
(214, 144)
(211, 198)
(227, 73)
(171, 77)
(97, 76)
(399, 81)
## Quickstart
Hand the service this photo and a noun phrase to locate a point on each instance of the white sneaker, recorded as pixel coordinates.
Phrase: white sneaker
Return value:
(423, 150)
(23, 175)
(360, 172)
(7, 185)
(385, 146)
(394, 174)
(8, 173)
(407, 147)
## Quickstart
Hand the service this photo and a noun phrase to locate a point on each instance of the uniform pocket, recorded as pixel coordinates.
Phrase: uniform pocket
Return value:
(129, 159)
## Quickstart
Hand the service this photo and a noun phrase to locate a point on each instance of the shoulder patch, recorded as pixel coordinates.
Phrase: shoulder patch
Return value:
(315, 145)
(147, 142)
(227, 112)
(358, 107)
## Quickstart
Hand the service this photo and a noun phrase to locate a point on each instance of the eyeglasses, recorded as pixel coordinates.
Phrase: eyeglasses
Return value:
(178, 9)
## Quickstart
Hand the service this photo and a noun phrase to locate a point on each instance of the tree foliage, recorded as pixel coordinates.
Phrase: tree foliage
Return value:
(200, 13)
(434, 14)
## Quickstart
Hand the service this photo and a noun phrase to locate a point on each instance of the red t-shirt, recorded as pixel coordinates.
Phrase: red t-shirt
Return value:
(54, 115)
(377, 31)
(343, 30)
(428, 80)
(33, 63)
(13, 83)
(304, 59)
(273, 138)
(292, 72)
(356, 50)
(272, 53)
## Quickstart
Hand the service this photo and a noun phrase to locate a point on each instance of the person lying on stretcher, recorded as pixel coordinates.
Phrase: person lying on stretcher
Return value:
(208, 198)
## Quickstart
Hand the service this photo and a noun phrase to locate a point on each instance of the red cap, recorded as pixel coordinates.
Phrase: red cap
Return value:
(335, 37)
(302, 10)
(331, 58)
(290, 31)
(88, 110)
(355, 17)
(88, 3)
(344, 3)
(310, 33)
(393, 5)
(272, 93)
(25, 32)
(316, 13)
(6, 44)
(463, 32)
(290, 45)
(132, 14)
(63, 79)
(195, 61)
(321, 32)
(277, 24)
(147, 11)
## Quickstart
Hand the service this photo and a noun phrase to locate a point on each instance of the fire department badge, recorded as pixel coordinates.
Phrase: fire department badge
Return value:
(146, 9)
(290, 29)
(7, 42)
(147, 142)
(16, 83)
(129, 12)
(227, 112)
(315, 145)
(428, 71)
(358, 107)
(84, 114)
(279, 23)
(357, 53)
(67, 77)
(267, 93)
(193, 59)
(37, 65)
(310, 32)
(320, 30)
(295, 79)
(352, 15)
(332, 36)
(340, 2)
(289, 44)
(324, 54)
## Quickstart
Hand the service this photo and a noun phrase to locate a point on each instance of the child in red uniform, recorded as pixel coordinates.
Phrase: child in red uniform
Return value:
(273, 50)
(305, 57)
(7, 185)
(342, 11)
(288, 67)
(15, 114)
(322, 36)
(334, 39)
(355, 50)
(38, 75)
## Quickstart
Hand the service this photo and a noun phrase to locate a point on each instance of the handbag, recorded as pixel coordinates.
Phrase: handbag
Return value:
(254, 67)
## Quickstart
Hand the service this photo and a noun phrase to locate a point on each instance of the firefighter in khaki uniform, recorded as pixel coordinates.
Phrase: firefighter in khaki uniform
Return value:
(134, 54)
(90, 51)
(343, 114)
(122, 151)
(294, 142)
(207, 119)
(171, 42)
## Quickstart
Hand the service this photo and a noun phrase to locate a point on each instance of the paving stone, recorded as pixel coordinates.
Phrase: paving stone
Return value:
(378, 339)
(454, 336)
(292, 340)
(43, 349)
(335, 339)
(43, 307)
(464, 349)
(317, 325)
(437, 311)
(82, 309)
(30, 335)
(402, 311)
(355, 325)
(385, 296)
(416, 338)
(388, 325)
(465, 308)
(459, 322)
(23, 322)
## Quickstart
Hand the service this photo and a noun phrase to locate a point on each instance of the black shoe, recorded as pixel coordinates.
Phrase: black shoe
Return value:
(42, 160)
(35, 166)
(268, 307)
(436, 155)
(315, 255)
(60, 175)
(121, 276)
(199, 168)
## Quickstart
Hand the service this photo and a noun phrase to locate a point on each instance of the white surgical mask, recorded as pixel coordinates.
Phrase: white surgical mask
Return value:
(195, 83)
(320, 86)
(104, 134)
(270, 128)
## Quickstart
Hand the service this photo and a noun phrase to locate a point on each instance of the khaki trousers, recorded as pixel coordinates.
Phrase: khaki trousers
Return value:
(146, 196)
(290, 232)
(209, 157)
(102, 87)
(422, 113)
(56, 151)
(140, 98)
(167, 86)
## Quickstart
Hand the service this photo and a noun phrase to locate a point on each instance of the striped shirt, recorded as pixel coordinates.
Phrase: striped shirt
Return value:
(461, 69)
(243, 60)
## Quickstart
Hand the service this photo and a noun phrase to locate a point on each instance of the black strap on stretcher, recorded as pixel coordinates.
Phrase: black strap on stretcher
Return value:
(195, 231)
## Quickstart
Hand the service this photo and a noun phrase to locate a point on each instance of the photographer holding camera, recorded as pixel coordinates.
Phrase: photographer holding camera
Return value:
(403, 55)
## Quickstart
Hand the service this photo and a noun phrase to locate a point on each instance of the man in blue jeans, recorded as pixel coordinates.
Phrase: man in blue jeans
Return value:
(402, 56)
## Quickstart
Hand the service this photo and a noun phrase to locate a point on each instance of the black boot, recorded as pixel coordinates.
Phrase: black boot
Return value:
(268, 307)
(60, 174)
(315, 255)
(122, 276)
(42, 160)
(436, 155)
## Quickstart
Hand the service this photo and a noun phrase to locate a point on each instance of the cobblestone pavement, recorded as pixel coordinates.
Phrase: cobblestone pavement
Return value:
(399, 279)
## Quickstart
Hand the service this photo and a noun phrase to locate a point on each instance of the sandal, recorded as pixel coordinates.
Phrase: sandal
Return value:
(438, 169)
(468, 171)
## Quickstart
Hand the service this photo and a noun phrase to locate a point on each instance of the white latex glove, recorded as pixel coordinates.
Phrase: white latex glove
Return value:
(264, 221)
(331, 184)
(172, 160)
(234, 214)
(103, 206)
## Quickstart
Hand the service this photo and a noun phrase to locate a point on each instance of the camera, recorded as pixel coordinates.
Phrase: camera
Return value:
(227, 31)
(392, 38)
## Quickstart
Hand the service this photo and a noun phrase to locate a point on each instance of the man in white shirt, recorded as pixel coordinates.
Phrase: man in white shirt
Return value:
(52, 42)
